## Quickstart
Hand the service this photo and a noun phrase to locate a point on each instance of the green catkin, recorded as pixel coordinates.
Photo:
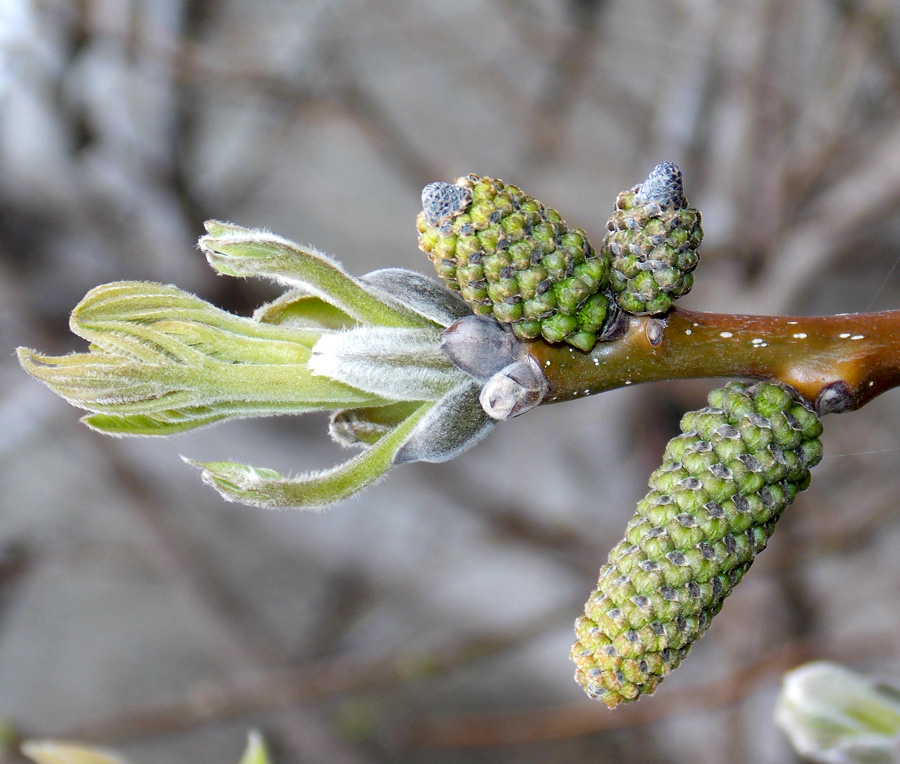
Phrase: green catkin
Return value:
(651, 242)
(712, 507)
(512, 258)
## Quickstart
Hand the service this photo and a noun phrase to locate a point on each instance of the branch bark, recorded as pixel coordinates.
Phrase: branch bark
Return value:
(838, 363)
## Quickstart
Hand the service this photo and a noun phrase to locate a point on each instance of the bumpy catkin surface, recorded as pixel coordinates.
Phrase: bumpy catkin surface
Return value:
(712, 507)
(652, 249)
(511, 257)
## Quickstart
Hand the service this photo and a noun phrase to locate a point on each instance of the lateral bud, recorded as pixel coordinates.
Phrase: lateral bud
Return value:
(835, 398)
(514, 390)
(481, 346)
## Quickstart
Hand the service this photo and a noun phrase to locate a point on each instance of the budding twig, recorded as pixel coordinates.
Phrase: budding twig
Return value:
(838, 363)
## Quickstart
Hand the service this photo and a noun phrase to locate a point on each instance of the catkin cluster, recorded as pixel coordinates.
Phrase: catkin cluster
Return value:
(512, 258)
(724, 481)
(711, 509)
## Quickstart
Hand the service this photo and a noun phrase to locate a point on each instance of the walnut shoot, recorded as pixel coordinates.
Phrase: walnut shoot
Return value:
(163, 361)
(531, 314)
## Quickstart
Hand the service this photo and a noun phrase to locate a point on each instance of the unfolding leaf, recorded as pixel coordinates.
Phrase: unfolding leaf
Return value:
(298, 309)
(267, 488)
(177, 397)
(152, 322)
(365, 426)
(453, 425)
(243, 252)
(164, 361)
(160, 424)
(420, 293)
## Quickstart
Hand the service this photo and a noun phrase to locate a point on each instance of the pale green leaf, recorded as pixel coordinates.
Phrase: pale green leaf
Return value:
(50, 752)
(152, 322)
(420, 293)
(453, 425)
(223, 228)
(244, 252)
(298, 309)
(268, 488)
(163, 424)
(164, 361)
(365, 426)
(168, 392)
(399, 364)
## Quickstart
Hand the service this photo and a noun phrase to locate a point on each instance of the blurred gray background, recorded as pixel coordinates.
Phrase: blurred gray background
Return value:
(430, 619)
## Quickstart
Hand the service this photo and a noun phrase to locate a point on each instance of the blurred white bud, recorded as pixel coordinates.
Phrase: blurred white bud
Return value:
(836, 716)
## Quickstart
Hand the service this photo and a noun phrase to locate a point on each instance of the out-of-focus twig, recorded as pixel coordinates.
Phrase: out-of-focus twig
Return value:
(576, 719)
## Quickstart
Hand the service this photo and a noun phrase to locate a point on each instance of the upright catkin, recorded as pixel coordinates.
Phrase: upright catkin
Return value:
(652, 243)
(512, 258)
(712, 507)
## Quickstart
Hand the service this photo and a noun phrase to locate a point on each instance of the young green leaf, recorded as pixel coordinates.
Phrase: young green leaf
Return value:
(453, 425)
(419, 293)
(235, 251)
(298, 309)
(163, 361)
(366, 426)
(400, 364)
(268, 488)
(145, 321)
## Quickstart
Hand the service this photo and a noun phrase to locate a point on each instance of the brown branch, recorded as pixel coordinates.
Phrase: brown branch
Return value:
(838, 363)
(570, 720)
(257, 691)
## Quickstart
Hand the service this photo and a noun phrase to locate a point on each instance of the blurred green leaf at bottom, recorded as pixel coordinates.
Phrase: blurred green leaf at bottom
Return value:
(50, 752)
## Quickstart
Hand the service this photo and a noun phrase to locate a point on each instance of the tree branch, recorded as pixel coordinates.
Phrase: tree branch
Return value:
(839, 363)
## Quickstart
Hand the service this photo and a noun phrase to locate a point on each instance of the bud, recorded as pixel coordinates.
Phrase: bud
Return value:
(833, 714)
(652, 242)
(512, 258)
(713, 504)
(514, 390)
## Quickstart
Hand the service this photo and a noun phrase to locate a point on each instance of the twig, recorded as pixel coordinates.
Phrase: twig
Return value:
(284, 688)
(575, 719)
(838, 363)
